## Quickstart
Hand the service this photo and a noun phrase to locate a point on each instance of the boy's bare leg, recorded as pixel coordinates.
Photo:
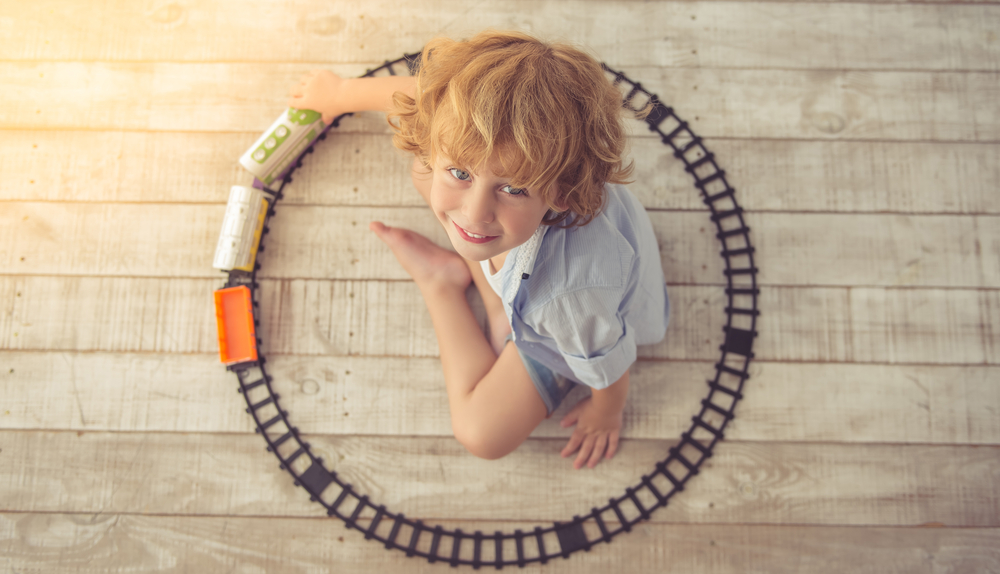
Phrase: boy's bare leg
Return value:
(505, 394)
(494, 404)
(496, 317)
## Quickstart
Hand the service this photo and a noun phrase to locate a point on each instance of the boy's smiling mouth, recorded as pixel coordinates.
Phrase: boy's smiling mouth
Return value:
(473, 237)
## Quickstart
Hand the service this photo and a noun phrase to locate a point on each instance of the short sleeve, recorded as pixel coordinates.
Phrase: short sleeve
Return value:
(590, 334)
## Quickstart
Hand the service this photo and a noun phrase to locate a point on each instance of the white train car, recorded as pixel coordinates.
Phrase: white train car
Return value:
(241, 229)
(287, 138)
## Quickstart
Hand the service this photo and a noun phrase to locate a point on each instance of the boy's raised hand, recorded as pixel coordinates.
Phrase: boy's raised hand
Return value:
(596, 434)
(320, 91)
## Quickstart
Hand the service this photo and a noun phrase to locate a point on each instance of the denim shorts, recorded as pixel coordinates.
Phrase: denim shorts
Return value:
(552, 386)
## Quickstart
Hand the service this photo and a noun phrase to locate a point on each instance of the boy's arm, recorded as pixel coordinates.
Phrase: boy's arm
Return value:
(331, 95)
(598, 421)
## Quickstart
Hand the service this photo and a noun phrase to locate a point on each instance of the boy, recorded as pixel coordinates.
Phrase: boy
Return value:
(518, 151)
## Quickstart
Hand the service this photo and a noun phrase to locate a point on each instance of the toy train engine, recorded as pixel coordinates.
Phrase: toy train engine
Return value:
(274, 154)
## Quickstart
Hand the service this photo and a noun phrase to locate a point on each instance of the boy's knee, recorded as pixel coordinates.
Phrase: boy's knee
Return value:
(480, 441)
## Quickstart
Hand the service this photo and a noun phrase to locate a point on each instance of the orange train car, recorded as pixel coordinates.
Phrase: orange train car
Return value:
(234, 317)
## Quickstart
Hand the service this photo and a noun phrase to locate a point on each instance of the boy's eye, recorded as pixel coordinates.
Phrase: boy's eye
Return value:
(514, 190)
(459, 174)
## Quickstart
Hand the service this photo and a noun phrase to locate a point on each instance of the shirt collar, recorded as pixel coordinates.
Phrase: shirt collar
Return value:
(522, 265)
(527, 253)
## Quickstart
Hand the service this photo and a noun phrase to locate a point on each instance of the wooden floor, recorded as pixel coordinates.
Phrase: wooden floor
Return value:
(863, 139)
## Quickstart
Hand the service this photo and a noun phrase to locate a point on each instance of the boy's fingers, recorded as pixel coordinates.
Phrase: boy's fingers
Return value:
(585, 450)
(612, 444)
(572, 445)
(599, 446)
(381, 231)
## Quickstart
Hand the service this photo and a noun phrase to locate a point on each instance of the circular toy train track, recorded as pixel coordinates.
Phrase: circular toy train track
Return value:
(621, 513)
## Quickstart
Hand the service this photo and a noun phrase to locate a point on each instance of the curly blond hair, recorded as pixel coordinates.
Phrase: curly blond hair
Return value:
(545, 112)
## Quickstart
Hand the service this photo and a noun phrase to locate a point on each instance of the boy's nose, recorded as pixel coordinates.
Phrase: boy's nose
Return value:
(477, 205)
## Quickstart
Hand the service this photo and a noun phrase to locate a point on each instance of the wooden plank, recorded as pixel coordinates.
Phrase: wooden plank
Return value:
(991, 332)
(193, 167)
(861, 250)
(907, 333)
(689, 34)
(393, 396)
(362, 169)
(762, 483)
(247, 544)
(845, 105)
(334, 243)
(987, 241)
(121, 392)
(768, 104)
(897, 326)
(861, 176)
(307, 317)
(123, 314)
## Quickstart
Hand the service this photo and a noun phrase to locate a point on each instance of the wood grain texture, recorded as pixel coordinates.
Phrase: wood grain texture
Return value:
(904, 326)
(361, 169)
(792, 35)
(784, 402)
(768, 104)
(118, 543)
(310, 242)
(761, 483)
(306, 317)
(863, 139)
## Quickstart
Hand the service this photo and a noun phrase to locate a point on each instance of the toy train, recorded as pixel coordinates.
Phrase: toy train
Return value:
(271, 156)
(241, 229)
(269, 159)
(235, 321)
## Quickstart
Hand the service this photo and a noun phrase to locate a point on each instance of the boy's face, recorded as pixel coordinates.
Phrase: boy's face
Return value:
(484, 215)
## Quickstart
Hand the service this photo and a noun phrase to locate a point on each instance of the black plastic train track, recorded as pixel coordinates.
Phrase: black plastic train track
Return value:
(621, 513)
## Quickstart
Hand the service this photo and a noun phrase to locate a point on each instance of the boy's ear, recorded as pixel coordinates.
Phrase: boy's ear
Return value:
(560, 203)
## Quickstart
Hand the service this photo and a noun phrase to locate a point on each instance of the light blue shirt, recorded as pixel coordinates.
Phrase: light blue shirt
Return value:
(580, 300)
